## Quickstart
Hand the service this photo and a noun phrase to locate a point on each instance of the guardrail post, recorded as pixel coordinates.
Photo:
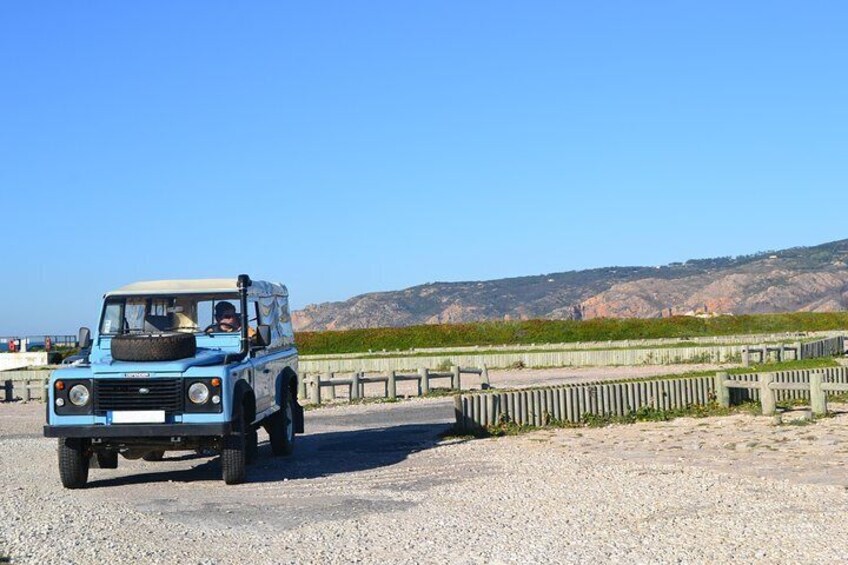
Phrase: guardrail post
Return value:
(818, 398)
(746, 357)
(484, 378)
(9, 390)
(721, 391)
(425, 380)
(392, 385)
(315, 383)
(767, 397)
(354, 387)
(455, 381)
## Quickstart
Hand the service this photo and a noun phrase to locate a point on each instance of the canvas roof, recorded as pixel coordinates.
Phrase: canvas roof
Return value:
(197, 286)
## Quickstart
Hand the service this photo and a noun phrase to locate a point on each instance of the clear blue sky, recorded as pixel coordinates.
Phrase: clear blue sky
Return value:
(345, 147)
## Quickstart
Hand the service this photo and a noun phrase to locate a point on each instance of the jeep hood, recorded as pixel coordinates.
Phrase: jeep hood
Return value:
(203, 358)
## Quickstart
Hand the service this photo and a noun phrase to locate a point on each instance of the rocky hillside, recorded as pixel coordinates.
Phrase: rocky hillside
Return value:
(797, 279)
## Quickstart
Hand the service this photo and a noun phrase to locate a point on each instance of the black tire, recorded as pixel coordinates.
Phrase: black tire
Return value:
(74, 456)
(280, 427)
(234, 454)
(251, 446)
(153, 347)
(106, 459)
(154, 455)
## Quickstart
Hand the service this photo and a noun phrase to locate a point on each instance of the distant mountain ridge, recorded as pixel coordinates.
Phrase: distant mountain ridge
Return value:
(796, 279)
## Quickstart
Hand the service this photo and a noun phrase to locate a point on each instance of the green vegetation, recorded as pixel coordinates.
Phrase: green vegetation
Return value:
(561, 331)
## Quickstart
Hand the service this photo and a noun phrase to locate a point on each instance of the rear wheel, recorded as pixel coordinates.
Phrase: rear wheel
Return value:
(74, 456)
(280, 427)
(155, 455)
(106, 459)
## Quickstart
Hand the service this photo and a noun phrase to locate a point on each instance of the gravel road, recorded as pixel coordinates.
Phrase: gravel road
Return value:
(374, 484)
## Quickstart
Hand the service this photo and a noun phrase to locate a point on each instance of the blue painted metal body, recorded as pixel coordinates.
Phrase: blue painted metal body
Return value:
(260, 371)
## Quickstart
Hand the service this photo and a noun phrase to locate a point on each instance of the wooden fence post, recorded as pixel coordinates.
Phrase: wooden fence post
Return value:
(301, 385)
(459, 417)
(354, 387)
(818, 398)
(331, 394)
(316, 389)
(455, 381)
(392, 385)
(425, 380)
(767, 399)
(721, 390)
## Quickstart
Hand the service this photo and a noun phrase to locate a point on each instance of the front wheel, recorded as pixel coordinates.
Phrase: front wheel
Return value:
(74, 458)
(234, 454)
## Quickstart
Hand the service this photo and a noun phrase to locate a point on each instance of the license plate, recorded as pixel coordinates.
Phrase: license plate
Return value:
(138, 417)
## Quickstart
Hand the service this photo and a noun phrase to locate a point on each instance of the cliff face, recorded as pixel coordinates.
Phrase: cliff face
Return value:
(798, 279)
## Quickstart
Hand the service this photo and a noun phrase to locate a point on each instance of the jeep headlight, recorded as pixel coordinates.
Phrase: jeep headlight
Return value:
(198, 393)
(79, 395)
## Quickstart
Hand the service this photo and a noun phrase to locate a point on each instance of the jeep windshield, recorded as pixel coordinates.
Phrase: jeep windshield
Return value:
(184, 313)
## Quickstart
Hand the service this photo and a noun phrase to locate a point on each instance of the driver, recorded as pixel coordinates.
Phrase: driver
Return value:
(227, 320)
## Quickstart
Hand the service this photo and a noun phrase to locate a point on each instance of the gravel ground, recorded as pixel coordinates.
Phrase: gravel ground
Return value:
(374, 484)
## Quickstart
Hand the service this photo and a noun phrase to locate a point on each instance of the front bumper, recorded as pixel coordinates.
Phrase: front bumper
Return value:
(140, 430)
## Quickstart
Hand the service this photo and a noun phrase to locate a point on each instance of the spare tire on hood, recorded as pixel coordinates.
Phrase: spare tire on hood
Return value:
(166, 346)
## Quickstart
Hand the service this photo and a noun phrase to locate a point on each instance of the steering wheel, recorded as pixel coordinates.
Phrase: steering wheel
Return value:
(219, 327)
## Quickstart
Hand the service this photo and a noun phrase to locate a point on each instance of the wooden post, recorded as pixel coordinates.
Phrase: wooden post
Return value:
(354, 387)
(484, 378)
(721, 391)
(455, 381)
(818, 398)
(767, 394)
(301, 385)
(392, 385)
(315, 396)
(425, 380)
(458, 413)
(331, 395)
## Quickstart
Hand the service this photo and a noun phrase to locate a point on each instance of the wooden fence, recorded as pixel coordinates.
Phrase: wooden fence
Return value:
(573, 402)
(312, 386)
(24, 385)
(813, 385)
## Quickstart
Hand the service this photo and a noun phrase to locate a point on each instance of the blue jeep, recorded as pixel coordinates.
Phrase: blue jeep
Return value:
(179, 365)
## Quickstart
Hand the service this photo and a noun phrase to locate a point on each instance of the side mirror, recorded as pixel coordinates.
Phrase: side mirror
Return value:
(84, 338)
(264, 333)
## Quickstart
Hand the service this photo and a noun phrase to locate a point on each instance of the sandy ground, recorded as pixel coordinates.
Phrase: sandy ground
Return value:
(375, 483)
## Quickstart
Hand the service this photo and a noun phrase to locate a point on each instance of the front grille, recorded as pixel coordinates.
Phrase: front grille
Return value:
(128, 394)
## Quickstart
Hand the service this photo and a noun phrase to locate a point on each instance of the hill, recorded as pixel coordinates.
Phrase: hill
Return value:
(807, 279)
